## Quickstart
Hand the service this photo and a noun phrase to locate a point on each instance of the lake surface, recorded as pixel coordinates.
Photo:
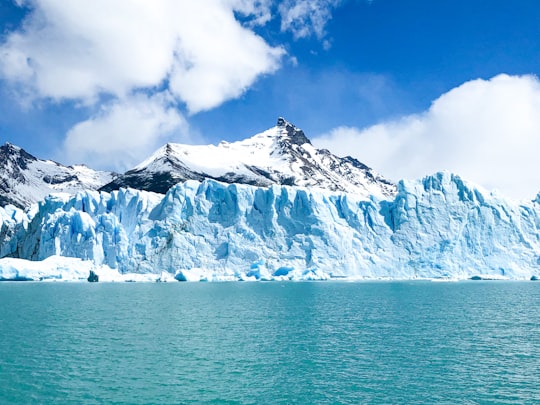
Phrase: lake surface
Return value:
(325, 342)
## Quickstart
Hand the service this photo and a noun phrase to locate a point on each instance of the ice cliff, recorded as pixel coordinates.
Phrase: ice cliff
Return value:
(437, 227)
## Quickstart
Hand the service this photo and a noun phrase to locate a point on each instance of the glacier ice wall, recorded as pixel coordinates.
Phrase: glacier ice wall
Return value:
(435, 227)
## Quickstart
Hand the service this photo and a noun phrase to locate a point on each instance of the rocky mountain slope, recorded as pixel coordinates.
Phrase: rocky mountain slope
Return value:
(282, 155)
(25, 179)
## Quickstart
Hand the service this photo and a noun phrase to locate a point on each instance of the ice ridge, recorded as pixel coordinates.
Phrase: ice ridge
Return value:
(436, 227)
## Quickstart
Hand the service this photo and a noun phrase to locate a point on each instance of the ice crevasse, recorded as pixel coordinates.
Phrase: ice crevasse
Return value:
(436, 227)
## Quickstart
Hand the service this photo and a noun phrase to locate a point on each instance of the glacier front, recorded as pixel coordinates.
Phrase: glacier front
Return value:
(438, 227)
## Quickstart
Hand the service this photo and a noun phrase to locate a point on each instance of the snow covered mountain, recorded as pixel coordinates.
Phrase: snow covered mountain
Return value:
(437, 227)
(282, 155)
(25, 179)
(271, 207)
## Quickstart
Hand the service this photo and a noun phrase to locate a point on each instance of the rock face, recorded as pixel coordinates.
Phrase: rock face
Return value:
(439, 226)
(282, 155)
(25, 179)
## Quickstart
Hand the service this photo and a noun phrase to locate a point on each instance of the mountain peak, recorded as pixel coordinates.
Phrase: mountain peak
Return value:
(25, 179)
(281, 122)
(8, 147)
(280, 155)
(295, 134)
(15, 156)
(169, 148)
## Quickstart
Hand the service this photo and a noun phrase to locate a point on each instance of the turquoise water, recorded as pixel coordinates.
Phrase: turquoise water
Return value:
(387, 343)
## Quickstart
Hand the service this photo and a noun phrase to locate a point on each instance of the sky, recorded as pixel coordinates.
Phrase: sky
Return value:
(409, 87)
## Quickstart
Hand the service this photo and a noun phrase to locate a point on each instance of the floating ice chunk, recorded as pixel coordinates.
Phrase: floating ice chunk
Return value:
(194, 274)
(53, 268)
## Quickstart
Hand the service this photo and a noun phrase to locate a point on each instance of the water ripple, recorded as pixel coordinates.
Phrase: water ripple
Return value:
(376, 343)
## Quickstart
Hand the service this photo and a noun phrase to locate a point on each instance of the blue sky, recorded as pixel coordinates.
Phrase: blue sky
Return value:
(409, 87)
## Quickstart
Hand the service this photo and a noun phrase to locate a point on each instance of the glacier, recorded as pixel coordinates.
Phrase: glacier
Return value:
(439, 227)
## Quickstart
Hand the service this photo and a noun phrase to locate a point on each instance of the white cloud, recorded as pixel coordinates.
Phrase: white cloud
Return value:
(199, 50)
(123, 132)
(196, 52)
(260, 11)
(217, 58)
(306, 17)
(79, 49)
(488, 131)
(133, 52)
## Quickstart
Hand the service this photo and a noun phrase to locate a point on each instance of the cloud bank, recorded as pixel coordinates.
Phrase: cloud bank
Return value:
(122, 132)
(80, 49)
(487, 131)
(135, 55)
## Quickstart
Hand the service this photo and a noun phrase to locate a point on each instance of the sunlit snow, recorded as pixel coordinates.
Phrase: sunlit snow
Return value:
(439, 227)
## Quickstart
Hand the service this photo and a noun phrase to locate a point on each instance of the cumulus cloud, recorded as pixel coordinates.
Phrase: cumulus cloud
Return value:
(260, 11)
(199, 53)
(80, 49)
(123, 132)
(85, 51)
(217, 58)
(488, 131)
